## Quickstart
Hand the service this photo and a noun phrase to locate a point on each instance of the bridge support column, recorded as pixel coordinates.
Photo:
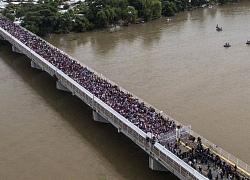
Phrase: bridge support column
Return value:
(97, 117)
(1, 38)
(60, 86)
(15, 49)
(35, 65)
(155, 165)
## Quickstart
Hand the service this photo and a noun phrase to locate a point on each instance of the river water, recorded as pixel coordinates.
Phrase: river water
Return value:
(177, 64)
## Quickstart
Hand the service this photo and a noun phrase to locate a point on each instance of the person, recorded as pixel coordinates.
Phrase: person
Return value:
(221, 175)
(208, 166)
(235, 167)
(200, 169)
(209, 175)
(199, 140)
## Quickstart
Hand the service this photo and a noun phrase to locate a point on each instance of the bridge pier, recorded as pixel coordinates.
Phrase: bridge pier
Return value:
(60, 86)
(15, 49)
(1, 38)
(97, 117)
(155, 165)
(35, 65)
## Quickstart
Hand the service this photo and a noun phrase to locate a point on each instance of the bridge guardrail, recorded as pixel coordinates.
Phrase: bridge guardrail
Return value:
(167, 158)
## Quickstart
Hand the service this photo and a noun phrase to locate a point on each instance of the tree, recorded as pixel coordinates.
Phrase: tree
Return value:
(138, 5)
(101, 19)
(119, 7)
(65, 22)
(110, 13)
(181, 5)
(168, 8)
(156, 8)
(147, 8)
(80, 24)
(35, 19)
(32, 27)
(130, 14)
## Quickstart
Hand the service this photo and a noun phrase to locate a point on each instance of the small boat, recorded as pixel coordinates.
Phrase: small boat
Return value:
(218, 28)
(227, 45)
(248, 42)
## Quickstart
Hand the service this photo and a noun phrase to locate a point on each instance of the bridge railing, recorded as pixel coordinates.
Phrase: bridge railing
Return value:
(176, 163)
(159, 152)
(242, 166)
(45, 65)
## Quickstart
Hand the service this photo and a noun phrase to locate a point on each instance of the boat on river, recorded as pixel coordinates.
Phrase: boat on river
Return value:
(227, 45)
(218, 28)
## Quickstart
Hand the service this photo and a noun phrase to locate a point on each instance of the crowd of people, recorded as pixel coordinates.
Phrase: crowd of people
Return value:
(130, 107)
(204, 160)
(144, 117)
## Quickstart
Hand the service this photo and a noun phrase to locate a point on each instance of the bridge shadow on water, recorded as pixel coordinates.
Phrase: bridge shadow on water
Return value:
(129, 160)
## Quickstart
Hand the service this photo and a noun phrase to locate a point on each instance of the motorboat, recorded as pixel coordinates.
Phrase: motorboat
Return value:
(227, 45)
(218, 28)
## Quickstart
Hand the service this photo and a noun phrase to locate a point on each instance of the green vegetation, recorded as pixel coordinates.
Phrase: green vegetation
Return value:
(49, 16)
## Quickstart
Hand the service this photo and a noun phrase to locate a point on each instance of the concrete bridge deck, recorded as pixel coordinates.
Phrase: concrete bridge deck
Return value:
(172, 150)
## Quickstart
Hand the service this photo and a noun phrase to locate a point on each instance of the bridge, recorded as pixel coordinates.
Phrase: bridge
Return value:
(170, 145)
